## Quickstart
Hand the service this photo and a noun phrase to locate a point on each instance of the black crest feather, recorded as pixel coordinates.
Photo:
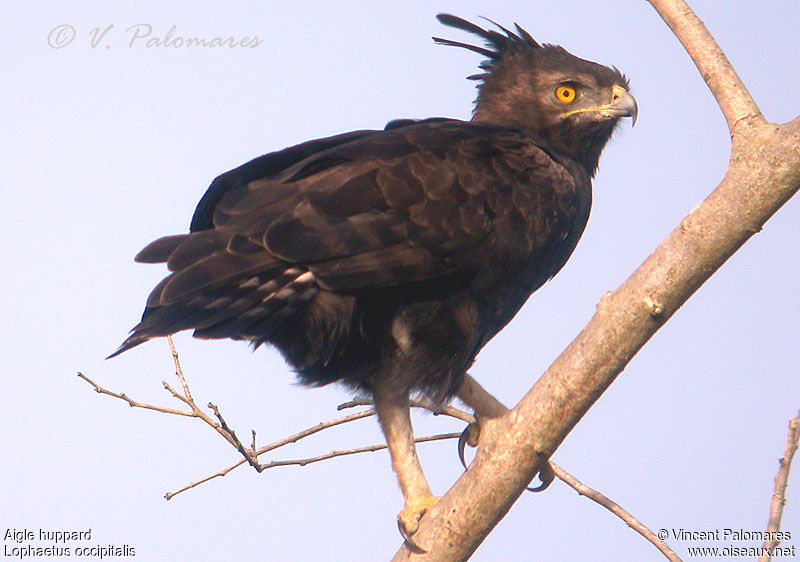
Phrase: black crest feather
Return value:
(499, 43)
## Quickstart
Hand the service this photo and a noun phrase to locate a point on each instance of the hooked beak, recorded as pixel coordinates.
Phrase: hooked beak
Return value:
(622, 104)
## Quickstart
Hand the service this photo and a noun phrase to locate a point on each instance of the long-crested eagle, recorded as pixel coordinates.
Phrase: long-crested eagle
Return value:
(386, 259)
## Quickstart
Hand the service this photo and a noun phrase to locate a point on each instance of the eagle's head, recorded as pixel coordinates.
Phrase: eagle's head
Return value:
(570, 104)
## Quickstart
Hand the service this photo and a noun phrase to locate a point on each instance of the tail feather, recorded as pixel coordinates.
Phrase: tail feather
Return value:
(249, 307)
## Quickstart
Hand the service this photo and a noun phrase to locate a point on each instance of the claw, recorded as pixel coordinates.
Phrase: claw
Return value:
(412, 546)
(408, 519)
(462, 444)
(546, 477)
(469, 437)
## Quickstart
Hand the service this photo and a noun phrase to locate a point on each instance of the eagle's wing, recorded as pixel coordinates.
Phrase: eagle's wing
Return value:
(404, 205)
(265, 166)
(367, 210)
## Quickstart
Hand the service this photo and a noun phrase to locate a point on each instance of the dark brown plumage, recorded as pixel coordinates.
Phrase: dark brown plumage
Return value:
(387, 259)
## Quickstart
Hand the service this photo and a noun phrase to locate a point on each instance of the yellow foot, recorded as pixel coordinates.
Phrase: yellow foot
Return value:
(408, 519)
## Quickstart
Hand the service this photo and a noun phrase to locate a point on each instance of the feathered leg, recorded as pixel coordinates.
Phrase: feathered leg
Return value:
(395, 418)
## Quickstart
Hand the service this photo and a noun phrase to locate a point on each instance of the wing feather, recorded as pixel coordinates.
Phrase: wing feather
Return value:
(419, 201)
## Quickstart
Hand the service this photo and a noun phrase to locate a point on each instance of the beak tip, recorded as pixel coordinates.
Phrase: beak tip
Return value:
(631, 107)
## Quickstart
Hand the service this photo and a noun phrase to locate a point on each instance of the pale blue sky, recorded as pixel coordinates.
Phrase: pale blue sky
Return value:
(109, 147)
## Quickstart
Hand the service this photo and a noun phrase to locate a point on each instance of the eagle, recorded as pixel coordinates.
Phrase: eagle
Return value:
(386, 259)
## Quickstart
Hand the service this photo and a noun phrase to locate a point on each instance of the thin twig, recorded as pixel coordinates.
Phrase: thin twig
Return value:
(358, 450)
(779, 495)
(276, 444)
(616, 509)
(186, 398)
(308, 460)
(250, 455)
(133, 403)
(195, 412)
(221, 427)
(422, 404)
(178, 369)
(315, 429)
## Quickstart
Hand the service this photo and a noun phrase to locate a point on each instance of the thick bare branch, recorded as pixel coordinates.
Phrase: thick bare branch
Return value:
(551, 470)
(723, 81)
(779, 495)
(764, 173)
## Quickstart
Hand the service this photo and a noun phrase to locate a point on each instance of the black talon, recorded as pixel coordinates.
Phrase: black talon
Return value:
(468, 437)
(546, 477)
(462, 445)
(412, 546)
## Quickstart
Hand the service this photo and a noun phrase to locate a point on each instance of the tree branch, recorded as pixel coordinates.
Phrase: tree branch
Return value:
(272, 446)
(779, 495)
(449, 411)
(764, 173)
(133, 403)
(310, 460)
(356, 451)
(551, 470)
(417, 403)
(723, 81)
(251, 454)
(616, 509)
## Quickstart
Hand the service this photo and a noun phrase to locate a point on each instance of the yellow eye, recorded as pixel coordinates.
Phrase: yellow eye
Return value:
(566, 94)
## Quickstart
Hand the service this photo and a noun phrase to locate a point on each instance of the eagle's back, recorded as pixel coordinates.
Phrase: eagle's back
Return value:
(402, 250)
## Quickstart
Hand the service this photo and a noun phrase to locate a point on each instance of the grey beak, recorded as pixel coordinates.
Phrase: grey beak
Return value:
(625, 105)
